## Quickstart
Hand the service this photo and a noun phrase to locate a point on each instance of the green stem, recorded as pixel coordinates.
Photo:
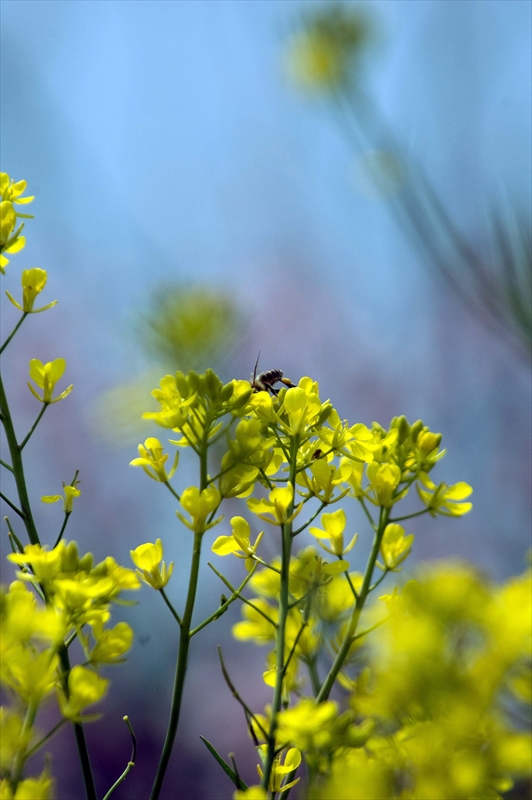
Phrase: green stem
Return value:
(22, 755)
(359, 605)
(6, 465)
(172, 491)
(283, 616)
(63, 526)
(13, 332)
(12, 505)
(79, 733)
(44, 739)
(18, 470)
(314, 677)
(130, 764)
(181, 666)
(28, 435)
(224, 606)
(409, 516)
(170, 606)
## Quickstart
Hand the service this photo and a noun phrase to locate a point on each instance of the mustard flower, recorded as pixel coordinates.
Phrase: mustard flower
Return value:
(395, 546)
(251, 793)
(258, 623)
(10, 239)
(384, 480)
(153, 459)
(85, 687)
(238, 543)
(32, 675)
(308, 725)
(9, 190)
(302, 406)
(326, 476)
(174, 406)
(277, 506)
(238, 481)
(199, 505)
(41, 788)
(443, 499)
(334, 525)
(151, 567)
(46, 376)
(281, 768)
(33, 282)
(70, 492)
(111, 643)
(45, 564)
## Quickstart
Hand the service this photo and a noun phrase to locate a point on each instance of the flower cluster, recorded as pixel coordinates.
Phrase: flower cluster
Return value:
(58, 596)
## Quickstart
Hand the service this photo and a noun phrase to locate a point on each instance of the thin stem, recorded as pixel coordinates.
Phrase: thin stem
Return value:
(313, 674)
(311, 519)
(247, 711)
(131, 762)
(379, 581)
(410, 516)
(172, 491)
(359, 605)
(366, 512)
(350, 582)
(6, 465)
(79, 733)
(304, 624)
(63, 527)
(18, 470)
(25, 734)
(44, 739)
(13, 332)
(283, 616)
(12, 505)
(181, 666)
(28, 435)
(225, 605)
(170, 606)
(241, 596)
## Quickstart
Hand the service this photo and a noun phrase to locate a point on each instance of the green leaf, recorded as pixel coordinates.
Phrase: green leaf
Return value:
(237, 780)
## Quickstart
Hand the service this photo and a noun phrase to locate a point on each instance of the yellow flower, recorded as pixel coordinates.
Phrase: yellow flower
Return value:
(45, 564)
(151, 568)
(46, 376)
(9, 190)
(40, 788)
(111, 643)
(33, 282)
(153, 459)
(251, 793)
(258, 624)
(85, 687)
(280, 768)
(10, 239)
(443, 499)
(30, 674)
(325, 477)
(395, 546)
(302, 406)
(199, 505)
(70, 492)
(384, 480)
(239, 543)
(277, 506)
(334, 525)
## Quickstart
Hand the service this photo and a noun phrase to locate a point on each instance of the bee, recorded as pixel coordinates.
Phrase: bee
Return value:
(265, 382)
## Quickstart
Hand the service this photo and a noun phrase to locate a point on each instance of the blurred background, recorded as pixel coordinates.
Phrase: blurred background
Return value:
(344, 188)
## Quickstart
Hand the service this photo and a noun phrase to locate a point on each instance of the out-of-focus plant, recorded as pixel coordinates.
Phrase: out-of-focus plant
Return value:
(495, 282)
(183, 327)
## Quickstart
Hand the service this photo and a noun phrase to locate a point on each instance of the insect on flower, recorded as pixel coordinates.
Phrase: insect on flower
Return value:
(265, 382)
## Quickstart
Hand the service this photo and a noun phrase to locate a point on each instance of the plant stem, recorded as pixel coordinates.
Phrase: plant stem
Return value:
(181, 666)
(18, 470)
(359, 605)
(22, 755)
(26, 439)
(13, 332)
(79, 733)
(283, 615)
